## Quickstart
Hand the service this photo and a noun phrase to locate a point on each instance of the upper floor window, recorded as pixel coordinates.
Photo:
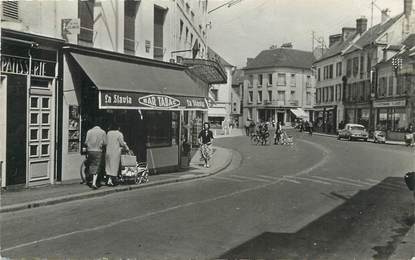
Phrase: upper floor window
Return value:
(293, 80)
(159, 17)
(130, 12)
(281, 80)
(260, 79)
(318, 74)
(330, 72)
(10, 10)
(349, 67)
(214, 94)
(181, 29)
(339, 69)
(86, 15)
(270, 79)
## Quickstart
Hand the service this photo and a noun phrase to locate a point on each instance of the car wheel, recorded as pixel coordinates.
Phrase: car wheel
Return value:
(365, 139)
(350, 138)
(338, 137)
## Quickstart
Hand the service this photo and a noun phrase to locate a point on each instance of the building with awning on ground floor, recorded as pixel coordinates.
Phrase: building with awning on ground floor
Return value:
(157, 106)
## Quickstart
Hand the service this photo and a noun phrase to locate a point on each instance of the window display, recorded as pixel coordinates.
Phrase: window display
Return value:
(73, 129)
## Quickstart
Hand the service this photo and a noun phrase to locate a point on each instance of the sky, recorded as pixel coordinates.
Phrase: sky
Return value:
(246, 28)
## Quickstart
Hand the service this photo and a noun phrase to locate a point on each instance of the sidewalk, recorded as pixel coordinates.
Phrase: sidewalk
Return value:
(58, 193)
(405, 249)
(219, 133)
(369, 140)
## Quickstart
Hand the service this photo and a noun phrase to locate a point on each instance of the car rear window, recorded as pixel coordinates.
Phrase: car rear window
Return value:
(357, 128)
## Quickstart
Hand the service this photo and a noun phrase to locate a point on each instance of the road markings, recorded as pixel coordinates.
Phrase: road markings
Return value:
(267, 177)
(293, 181)
(227, 178)
(248, 178)
(324, 160)
(308, 179)
(337, 181)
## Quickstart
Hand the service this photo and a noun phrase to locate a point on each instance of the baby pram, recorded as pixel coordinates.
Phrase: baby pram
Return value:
(131, 171)
(286, 139)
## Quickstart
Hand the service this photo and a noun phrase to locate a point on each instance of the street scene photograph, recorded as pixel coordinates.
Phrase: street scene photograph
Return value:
(207, 129)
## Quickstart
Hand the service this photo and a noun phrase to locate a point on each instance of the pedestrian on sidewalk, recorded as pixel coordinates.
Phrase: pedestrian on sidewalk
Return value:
(95, 142)
(205, 141)
(278, 131)
(115, 144)
(310, 127)
(247, 126)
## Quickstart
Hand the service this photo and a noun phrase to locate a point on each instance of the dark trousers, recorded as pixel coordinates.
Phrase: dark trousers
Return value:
(277, 138)
(247, 130)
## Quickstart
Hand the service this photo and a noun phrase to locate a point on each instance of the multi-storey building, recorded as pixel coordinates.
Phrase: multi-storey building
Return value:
(279, 86)
(394, 105)
(361, 57)
(237, 97)
(71, 62)
(220, 110)
(329, 109)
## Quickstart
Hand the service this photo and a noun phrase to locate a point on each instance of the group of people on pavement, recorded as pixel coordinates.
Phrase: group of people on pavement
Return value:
(104, 148)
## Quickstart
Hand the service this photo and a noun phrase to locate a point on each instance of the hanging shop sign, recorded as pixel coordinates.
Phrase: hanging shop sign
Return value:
(132, 100)
(395, 103)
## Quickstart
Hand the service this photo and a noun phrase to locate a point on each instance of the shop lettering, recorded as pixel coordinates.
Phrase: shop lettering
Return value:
(21, 66)
(159, 101)
(195, 103)
(117, 99)
(14, 65)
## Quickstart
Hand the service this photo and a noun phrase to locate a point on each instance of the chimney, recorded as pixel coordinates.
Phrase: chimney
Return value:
(384, 15)
(335, 38)
(361, 25)
(248, 61)
(347, 31)
(407, 7)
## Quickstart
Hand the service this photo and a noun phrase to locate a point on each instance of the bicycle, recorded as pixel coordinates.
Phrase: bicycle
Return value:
(260, 138)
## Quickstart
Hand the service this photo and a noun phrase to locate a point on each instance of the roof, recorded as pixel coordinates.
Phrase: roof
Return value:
(337, 48)
(212, 55)
(282, 57)
(372, 34)
(405, 53)
(237, 77)
(409, 42)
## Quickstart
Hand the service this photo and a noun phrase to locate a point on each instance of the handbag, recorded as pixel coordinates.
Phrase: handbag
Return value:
(128, 160)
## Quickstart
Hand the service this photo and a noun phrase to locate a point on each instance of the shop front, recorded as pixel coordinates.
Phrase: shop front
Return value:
(325, 119)
(392, 116)
(157, 106)
(29, 83)
(358, 115)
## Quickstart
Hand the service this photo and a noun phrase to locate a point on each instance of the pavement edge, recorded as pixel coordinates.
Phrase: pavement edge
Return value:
(92, 194)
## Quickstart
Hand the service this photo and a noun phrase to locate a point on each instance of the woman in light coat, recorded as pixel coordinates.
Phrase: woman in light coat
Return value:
(115, 144)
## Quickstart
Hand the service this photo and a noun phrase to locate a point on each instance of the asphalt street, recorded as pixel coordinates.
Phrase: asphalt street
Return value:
(320, 198)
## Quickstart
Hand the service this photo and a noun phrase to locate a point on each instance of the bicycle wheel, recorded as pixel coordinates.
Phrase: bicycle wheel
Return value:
(254, 139)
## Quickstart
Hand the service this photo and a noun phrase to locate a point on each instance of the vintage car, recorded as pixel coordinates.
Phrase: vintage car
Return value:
(353, 132)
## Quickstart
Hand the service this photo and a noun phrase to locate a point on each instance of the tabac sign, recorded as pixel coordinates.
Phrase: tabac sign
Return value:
(132, 100)
(159, 101)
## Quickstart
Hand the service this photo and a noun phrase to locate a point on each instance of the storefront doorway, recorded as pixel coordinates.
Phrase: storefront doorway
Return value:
(280, 117)
(40, 127)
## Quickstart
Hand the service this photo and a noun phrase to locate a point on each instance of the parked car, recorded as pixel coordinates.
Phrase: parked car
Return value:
(353, 132)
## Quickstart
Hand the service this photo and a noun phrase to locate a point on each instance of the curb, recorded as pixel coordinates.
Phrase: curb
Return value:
(92, 194)
(369, 140)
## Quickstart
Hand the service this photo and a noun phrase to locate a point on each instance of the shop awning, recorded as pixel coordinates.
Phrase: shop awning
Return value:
(209, 71)
(217, 112)
(299, 112)
(127, 85)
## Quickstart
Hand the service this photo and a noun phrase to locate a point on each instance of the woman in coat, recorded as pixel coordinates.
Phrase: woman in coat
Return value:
(115, 144)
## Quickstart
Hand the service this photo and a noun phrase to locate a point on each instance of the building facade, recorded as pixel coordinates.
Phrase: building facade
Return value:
(329, 69)
(394, 105)
(361, 58)
(237, 97)
(76, 61)
(220, 110)
(279, 86)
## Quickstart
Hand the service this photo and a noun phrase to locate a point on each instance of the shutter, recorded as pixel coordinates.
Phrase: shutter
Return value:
(86, 15)
(11, 9)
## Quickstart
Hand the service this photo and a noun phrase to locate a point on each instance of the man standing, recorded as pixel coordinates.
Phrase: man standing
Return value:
(277, 135)
(247, 125)
(310, 127)
(95, 141)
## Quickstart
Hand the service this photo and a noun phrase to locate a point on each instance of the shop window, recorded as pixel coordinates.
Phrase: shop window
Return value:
(399, 122)
(34, 102)
(45, 118)
(45, 134)
(34, 118)
(34, 150)
(34, 134)
(45, 149)
(45, 103)
(158, 128)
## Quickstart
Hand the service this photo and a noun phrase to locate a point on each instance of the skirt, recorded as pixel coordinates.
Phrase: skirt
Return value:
(94, 162)
(206, 151)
